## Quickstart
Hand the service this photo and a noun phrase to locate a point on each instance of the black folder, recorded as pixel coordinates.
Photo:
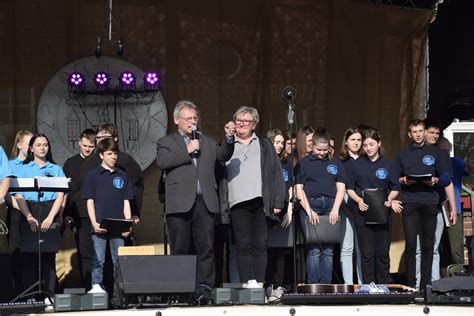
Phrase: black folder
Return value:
(377, 212)
(116, 226)
(419, 177)
(49, 239)
(323, 232)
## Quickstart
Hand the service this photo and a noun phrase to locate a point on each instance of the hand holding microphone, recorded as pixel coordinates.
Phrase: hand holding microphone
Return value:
(193, 145)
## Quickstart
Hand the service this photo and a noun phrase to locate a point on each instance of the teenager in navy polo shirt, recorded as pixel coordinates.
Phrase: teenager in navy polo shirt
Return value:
(420, 199)
(351, 149)
(39, 162)
(373, 171)
(320, 186)
(107, 190)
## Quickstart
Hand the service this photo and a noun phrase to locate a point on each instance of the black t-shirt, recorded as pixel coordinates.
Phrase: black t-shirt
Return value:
(72, 168)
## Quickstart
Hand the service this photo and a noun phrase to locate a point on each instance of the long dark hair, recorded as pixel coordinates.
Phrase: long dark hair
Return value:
(301, 142)
(272, 134)
(31, 157)
(344, 154)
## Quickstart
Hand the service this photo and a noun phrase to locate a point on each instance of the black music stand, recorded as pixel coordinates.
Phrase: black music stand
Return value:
(40, 185)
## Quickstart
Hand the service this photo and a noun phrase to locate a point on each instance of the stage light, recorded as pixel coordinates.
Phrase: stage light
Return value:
(101, 80)
(120, 47)
(151, 81)
(98, 47)
(75, 81)
(127, 79)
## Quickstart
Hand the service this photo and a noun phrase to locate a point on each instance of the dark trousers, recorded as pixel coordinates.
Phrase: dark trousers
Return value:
(84, 249)
(197, 225)
(421, 218)
(276, 268)
(13, 220)
(251, 237)
(374, 245)
(48, 270)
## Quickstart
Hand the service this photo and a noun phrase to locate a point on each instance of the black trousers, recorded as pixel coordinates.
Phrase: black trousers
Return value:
(197, 226)
(422, 218)
(251, 238)
(13, 220)
(84, 249)
(374, 245)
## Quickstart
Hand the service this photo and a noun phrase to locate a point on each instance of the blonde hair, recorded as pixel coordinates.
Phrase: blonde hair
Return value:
(18, 138)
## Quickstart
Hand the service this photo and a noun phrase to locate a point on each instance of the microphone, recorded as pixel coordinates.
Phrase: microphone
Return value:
(291, 116)
(194, 136)
(288, 93)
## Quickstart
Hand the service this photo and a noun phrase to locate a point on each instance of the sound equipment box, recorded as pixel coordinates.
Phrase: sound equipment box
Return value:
(168, 279)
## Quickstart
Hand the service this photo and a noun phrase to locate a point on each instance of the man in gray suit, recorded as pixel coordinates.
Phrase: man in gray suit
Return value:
(188, 159)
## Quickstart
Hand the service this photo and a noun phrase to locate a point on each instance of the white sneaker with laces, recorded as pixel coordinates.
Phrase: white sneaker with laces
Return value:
(96, 288)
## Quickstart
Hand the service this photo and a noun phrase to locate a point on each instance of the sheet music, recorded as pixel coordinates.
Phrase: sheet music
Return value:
(22, 184)
(53, 182)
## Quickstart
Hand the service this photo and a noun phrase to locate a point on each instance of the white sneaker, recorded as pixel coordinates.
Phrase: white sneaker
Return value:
(253, 284)
(96, 288)
(49, 302)
(276, 294)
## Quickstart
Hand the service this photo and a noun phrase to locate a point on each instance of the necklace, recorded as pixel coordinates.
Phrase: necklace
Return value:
(244, 152)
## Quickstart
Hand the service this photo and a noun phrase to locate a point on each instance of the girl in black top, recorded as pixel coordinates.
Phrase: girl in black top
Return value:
(373, 171)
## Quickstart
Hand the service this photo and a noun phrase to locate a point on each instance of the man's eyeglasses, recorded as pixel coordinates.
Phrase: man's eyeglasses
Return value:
(191, 118)
(243, 122)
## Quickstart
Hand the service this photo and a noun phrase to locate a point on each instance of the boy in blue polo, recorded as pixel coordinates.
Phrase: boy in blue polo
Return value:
(107, 190)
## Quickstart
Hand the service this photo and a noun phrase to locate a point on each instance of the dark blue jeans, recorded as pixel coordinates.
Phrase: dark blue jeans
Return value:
(319, 257)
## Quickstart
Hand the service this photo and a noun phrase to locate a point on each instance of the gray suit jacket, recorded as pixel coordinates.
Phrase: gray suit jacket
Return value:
(182, 176)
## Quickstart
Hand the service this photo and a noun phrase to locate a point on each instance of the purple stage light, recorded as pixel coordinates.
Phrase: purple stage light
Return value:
(101, 79)
(75, 79)
(151, 78)
(151, 81)
(127, 78)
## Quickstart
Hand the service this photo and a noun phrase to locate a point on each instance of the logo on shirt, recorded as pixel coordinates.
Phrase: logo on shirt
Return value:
(428, 160)
(381, 173)
(332, 169)
(285, 175)
(48, 173)
(118, 182)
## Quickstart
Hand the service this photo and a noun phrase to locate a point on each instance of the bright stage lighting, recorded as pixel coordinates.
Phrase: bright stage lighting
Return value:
(101, 80)
(75, 81)
(127, 79)
(151, 81)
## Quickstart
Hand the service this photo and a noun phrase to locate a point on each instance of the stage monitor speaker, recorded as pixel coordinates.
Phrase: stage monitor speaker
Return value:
(156, 274)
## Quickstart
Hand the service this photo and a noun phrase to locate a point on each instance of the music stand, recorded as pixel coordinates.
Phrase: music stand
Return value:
(39, 185)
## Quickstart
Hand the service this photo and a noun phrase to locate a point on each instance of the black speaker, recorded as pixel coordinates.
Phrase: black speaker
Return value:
(156, 274)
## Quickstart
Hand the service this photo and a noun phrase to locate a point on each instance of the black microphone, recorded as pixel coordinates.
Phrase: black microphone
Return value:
(288, 93)
(194, 136)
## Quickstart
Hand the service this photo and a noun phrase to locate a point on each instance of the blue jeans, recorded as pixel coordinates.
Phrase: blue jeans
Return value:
(99, 242)
(435, 269)
(349, 244)
(319, 257)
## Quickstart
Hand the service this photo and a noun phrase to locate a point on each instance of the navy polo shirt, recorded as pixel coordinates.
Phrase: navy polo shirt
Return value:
(416, 160)
(319, 176)
(367, 174)
(287, 173)
(108, 189)
(348, 164)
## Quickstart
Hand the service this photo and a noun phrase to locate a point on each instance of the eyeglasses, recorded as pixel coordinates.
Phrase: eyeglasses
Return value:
(243, 122)
(191, 118)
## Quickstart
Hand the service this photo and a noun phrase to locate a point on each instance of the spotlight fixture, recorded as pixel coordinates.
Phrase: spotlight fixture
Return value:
(120, 47)
(151, 81)
(98, 47)
(75, 81)
(101, 80)
(127, 80)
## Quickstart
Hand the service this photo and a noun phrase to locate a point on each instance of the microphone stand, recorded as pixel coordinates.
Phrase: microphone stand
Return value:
(293, 200)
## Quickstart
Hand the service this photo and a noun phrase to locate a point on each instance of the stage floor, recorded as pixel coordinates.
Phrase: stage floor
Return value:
(285, 310)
